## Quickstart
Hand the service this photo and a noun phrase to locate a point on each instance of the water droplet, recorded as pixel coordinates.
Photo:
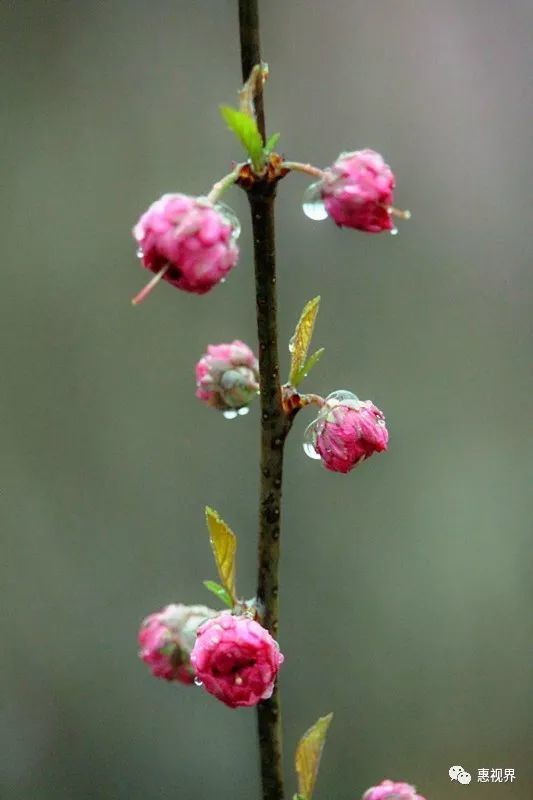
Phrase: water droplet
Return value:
(230, 216)
(223, 280)
(342, 396)
(309, 442)
(310, 451)
(242, 412)
(230, 413)
(394, 232)
(198, 682)
(312, 204)
(140, 252)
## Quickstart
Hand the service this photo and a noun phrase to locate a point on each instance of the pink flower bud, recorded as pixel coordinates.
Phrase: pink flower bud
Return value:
(346, 431)
(357, 191)
(167, 637)
(188, 242)
(388, 790)
(227, 376)
(236, 659)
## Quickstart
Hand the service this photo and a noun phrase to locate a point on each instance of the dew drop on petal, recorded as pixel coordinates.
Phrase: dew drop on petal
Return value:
(394, 232)
(313, 205)
(198, 682)
(242, 412)
(140, 252)
(230, 413)
(342, 396)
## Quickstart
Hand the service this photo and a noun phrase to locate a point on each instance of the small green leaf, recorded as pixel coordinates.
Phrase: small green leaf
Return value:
(299, 344)
(308, 366)
(308, 754)
(220, 592)
(271, 143)
(245, 128)
(224, 546)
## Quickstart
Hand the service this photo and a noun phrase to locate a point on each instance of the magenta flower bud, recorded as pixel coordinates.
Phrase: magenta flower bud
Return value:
(346, 431)
(389, 790)
(236, 659)
(167, 637)
(227, 377)
(357, 191)
(188, 242)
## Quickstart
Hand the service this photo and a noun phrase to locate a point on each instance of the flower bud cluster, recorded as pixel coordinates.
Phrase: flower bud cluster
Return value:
(233, 657)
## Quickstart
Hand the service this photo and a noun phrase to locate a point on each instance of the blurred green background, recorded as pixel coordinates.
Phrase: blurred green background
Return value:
(406, 585)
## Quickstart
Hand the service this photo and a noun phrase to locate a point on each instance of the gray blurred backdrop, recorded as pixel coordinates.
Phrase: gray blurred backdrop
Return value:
(406, 585)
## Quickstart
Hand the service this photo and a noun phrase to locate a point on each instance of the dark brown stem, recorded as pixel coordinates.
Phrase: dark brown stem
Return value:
(251, 53)
(274, 421)
(274, 429)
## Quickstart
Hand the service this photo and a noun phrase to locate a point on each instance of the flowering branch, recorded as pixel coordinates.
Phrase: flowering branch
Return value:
(190, 243)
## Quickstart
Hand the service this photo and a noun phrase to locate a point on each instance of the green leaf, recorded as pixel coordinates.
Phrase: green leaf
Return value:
(224, 546)
(308, 366)
(299, 344)
(271, 143)
(245, 128)
(220, 592)
(308, 754)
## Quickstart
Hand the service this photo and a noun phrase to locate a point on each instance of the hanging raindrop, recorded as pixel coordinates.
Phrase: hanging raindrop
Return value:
(310, 451)
(309, 442)
(230, 413)
(313, 205)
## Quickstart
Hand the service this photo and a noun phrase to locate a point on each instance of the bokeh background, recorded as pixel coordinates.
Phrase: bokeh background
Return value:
(406, 586)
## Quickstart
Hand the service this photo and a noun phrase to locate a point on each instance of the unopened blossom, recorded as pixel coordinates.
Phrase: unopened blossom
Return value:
(346, 431)
(358, 192)
(227, 376)
(188, 242)
(236, 659)
(390, 790)
(167, 637)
